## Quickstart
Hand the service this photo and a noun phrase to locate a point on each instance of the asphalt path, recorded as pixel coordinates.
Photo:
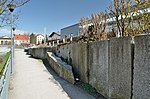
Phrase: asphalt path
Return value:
(33, 79)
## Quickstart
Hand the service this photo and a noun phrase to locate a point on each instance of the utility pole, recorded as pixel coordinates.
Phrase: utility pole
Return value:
(45, 36)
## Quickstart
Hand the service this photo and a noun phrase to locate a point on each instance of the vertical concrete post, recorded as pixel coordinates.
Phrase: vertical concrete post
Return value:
(50, 44)
(53, 43)
(57, 42)
(141, 78)
(98, 66)
(71, 39)
(120, 68)
(63, 40)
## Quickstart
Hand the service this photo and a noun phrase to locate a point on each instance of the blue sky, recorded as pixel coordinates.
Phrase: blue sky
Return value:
(56, 14)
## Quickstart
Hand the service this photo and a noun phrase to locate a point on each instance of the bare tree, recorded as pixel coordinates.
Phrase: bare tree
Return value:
(93, 28)
(84, 23)
(99, 22)
(4, 11)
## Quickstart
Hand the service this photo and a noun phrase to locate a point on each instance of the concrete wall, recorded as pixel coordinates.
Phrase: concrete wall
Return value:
(141, 82)
(98, 66)
(61, 68)
(39, 52)
(115, 68)
(106, 65)
(120, 68)
(76, 55)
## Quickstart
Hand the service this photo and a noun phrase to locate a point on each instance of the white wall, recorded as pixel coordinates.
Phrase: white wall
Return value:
(18, 42)
(4, 41)
(39, 39)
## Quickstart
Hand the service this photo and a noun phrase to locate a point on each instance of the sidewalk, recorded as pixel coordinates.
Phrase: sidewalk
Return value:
(32, 80)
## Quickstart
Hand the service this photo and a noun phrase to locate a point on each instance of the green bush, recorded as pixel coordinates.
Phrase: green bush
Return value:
(88, 88)
(2, 65)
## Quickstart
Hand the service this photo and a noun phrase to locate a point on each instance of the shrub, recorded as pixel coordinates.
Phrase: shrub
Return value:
(1, 60)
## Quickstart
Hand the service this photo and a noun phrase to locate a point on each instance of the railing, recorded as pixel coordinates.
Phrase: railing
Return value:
(4, 80)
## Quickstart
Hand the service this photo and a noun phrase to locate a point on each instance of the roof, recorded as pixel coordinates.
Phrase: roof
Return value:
(21, 37)
(40, 34)
(77, 24)
(4, 37)
(54, 33)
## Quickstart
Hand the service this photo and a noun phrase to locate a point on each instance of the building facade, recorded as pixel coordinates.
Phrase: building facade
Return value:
(4, 40)
(39, 39)
(74, 30)
(53, 38)
(21, 39)
(70, 31)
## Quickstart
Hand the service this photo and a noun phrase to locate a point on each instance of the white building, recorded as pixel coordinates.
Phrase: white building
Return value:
(4, 40)
(21, 39)
(39, 39)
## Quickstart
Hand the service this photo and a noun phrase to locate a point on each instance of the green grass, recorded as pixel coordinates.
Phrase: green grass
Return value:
(2, 65)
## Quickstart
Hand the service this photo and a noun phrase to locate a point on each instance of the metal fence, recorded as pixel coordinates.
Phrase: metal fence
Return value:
(4, 80)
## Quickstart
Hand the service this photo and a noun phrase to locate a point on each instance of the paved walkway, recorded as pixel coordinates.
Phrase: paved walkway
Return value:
(31, 79)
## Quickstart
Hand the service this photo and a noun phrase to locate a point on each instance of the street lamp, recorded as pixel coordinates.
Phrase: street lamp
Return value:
(11, 8)
(13, 28)
(13, 40)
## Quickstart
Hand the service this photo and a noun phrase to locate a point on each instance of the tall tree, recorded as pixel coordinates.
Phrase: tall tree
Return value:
(142, 16)
(93, 28)
(122, 13)
(131, 16)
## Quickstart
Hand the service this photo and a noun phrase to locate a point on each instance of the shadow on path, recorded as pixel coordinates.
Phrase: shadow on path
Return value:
(67, 87)
(73, 91)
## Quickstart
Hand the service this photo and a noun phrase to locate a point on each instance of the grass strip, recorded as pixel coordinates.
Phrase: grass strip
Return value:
(2, 65)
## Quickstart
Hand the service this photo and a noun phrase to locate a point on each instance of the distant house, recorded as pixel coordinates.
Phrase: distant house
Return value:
(53, 38)
(21, 39)
(4, 40)
(39, 39)
(70, 31)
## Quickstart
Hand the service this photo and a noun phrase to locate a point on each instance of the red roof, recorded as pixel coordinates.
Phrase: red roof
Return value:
(21, 37)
